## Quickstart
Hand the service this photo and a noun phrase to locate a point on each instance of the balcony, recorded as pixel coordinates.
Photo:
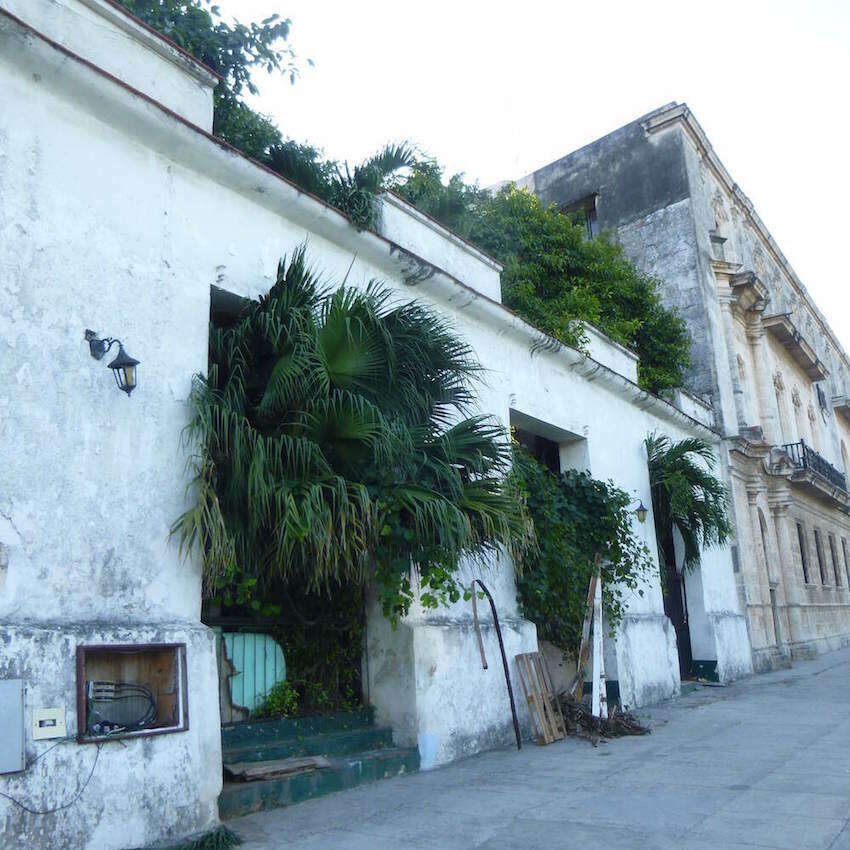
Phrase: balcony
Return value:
(805, 458)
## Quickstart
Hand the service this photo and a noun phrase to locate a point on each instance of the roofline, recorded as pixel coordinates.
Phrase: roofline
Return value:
(157, 41)
(585, 365)
(676, 113)
(589, 144)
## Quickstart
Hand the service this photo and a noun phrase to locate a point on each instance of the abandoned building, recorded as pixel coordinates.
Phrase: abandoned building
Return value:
(764, 357)
(123, 217)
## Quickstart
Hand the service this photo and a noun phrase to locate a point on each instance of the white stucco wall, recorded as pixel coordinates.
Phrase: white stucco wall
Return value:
(117, 217)
(398, 220)
(90, 481)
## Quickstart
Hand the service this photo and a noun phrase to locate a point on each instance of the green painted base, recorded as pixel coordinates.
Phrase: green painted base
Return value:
(612, 690)
(704, 670)
(241, 798)
(255, 732)
(358, 752)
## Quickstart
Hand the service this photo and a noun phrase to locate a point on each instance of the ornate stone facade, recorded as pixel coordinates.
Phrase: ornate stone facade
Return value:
(763, 353)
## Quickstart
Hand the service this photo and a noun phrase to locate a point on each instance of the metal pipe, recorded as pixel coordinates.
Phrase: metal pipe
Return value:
(501, 649)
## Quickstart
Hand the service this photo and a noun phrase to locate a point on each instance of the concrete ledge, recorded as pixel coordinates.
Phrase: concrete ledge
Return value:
(804, 650)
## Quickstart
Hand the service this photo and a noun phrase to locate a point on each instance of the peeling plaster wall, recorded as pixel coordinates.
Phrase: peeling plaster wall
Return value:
(90, 481)
(142, 789)
(116, 217)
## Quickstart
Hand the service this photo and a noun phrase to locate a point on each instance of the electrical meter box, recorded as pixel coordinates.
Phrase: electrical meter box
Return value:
(11, 725)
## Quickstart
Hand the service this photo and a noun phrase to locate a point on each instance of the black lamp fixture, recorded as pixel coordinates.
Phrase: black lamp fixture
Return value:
(123, 366)
(641, 511)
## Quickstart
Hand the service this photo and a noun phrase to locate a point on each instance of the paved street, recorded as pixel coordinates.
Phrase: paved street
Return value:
(762, 763)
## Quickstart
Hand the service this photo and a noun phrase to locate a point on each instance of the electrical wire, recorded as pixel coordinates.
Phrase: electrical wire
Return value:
(67, 805)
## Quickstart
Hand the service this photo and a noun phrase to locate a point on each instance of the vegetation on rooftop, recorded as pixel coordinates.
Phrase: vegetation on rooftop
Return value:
(555, 277)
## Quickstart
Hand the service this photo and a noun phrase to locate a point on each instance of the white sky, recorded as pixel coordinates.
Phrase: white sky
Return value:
(497, 89)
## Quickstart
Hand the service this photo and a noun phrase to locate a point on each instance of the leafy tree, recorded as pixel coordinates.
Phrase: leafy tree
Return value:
(335, 445)
(575, 517)
(686, 496)
(555, 277)
(235, 52)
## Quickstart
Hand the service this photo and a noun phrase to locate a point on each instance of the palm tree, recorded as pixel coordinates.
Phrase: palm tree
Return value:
(334, 443)
(351, 190)
(687, 497)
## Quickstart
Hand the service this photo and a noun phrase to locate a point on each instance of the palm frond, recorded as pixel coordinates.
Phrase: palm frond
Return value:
(686, 495)
(331, 441)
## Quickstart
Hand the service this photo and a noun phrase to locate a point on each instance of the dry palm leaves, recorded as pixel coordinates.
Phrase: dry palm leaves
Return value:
(582, 724)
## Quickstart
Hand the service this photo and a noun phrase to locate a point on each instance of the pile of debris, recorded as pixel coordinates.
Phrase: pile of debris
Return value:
(581, 723)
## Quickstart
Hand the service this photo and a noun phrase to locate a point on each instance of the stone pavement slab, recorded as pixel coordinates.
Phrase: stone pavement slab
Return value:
(762, 763)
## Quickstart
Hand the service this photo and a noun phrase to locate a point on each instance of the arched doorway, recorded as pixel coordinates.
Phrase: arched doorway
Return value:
(676, 604)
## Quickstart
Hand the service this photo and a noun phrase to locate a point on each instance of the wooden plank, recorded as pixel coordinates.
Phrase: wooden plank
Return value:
(531, 697)
(251, 771)
(584, 649)
(558, 721)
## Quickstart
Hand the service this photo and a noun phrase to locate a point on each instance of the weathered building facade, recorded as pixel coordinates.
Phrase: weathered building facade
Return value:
(120, 212)
(763, 354)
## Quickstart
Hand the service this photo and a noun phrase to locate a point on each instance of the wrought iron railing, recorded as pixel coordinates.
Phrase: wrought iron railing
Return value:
(805, 457)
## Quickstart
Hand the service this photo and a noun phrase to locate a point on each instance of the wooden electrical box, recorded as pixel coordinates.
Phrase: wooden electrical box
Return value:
(130, 690)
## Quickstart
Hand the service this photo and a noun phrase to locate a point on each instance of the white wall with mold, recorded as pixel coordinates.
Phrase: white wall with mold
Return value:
(116, 216)
(90, 480)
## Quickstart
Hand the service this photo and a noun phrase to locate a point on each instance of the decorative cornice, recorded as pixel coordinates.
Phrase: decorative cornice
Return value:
(676, 113)
(786, 332)
(750, 294)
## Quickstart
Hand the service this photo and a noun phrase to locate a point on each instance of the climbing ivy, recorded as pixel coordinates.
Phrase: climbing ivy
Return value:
(575, 517)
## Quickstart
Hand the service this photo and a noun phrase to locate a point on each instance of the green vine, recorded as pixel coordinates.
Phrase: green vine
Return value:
(575, 517)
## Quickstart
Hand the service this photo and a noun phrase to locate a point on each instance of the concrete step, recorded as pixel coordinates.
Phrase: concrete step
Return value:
(322, 744)
(256, 732)
(241, 798)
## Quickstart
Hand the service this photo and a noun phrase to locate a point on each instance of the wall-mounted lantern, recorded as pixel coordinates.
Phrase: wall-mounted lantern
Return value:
(123, 366)
(641, 511)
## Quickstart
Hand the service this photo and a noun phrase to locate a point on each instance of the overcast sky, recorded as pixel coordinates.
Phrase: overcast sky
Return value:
(497, 89)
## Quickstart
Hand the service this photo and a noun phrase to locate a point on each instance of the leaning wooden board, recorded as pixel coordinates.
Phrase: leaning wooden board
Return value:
(252, 771)
(543, 704)
(575, 689)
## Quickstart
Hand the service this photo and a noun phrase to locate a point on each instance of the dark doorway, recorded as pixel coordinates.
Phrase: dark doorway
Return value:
(543, 450)
(676, 608)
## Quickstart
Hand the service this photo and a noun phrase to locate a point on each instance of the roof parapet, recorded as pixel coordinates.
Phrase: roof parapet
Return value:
(105, 34)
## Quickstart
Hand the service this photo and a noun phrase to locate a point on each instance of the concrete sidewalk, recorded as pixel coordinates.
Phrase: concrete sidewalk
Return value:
(761, 763)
